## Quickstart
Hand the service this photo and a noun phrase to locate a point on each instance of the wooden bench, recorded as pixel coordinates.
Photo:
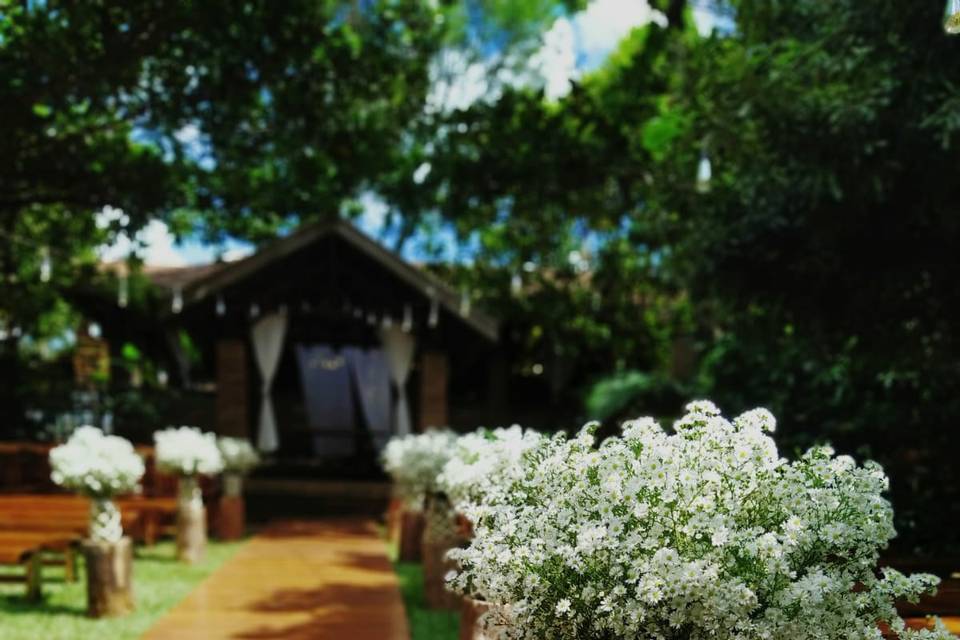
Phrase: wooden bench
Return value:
(140, 516)
(63, 544)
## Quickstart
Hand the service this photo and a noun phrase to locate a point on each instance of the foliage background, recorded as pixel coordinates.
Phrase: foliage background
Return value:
(816, 277)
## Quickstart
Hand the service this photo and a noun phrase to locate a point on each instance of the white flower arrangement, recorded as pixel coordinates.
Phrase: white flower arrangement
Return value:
(414, 461)
(483, 462)
(187, 451)
(96, 465)
(701, 534)
(238, 455)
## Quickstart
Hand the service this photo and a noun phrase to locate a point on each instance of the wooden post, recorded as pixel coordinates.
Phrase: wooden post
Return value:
(233, 408)
(109, 577)
(433, 390)
(33, 569)
(411, 536)
(150, 521)
(69, 564)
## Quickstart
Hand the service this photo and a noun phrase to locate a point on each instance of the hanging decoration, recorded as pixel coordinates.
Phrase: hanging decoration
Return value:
(465, 302)
(434, 318)
(46, 265)
(372, 319)
(387, 321)
(704, 172)
(516, 284)
(176, 303)
(951, 19)
(407, 324)
(221, 306)
(123, 291)
(254, 310)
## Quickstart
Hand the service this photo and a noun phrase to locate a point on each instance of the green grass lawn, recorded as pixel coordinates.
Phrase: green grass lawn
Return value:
(425, 624)
(159, 582)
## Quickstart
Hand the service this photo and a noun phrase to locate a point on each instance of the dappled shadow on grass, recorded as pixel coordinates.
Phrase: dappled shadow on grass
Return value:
(13, 600)
(19, 605)
(61, 615)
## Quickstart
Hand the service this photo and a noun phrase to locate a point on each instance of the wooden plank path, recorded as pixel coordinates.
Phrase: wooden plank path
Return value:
(318, 580)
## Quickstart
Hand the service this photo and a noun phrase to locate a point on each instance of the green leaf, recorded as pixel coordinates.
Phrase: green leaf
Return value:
(660, 132)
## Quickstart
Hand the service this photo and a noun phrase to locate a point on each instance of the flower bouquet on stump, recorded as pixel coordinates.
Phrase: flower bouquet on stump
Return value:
(101, 467)
(189, 453)
(239, 459)
(413, 462)
(483, 464)
(699, 533)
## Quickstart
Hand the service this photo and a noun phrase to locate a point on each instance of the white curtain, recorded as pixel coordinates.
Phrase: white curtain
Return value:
(267, 335)
(398, 347)
(371, 375)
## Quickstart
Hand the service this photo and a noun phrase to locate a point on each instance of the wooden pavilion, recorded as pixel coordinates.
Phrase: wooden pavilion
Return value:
(276, 327)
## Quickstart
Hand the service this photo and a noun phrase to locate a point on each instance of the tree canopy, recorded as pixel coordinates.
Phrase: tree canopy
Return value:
(815, 275)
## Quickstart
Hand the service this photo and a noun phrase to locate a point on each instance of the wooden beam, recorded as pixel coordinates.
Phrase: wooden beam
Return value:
(425, 283)
(434, 376)
(233, 389)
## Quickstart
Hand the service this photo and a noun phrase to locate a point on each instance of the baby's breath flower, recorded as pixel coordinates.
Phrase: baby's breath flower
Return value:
(96, 465)
(703, 534)
(187, 451)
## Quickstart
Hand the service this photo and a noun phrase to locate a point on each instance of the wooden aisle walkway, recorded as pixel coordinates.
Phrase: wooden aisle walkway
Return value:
(325, 580)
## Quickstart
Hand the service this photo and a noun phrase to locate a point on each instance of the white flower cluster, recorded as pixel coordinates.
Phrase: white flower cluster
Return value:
(414, 462)
(96, 465)
(187, 451)
(482, 463)
(702, 534)
(238, 454)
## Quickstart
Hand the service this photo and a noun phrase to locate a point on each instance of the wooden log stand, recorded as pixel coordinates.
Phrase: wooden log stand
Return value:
(231, 518)
(191, 533)
(411, 536)
(109, 577)
(436, 566)
(439, 536)
(191, 522)
(471, 627)
(480, 620)
(231, 522)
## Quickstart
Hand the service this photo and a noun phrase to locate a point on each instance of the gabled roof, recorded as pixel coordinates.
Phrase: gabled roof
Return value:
(211, 281)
